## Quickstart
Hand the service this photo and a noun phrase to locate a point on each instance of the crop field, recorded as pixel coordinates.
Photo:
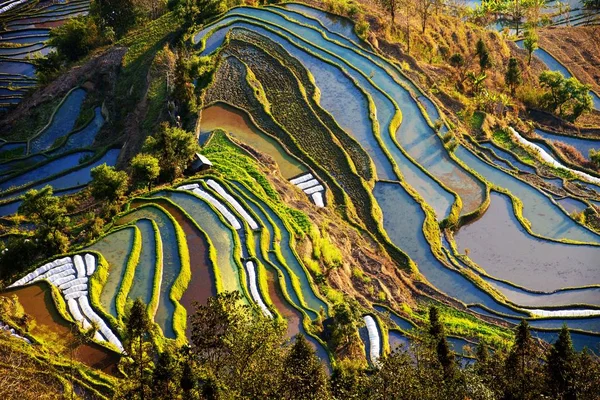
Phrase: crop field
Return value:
(328, 173)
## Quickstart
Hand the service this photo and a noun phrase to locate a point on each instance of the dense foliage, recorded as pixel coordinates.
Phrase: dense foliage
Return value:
(238, 353)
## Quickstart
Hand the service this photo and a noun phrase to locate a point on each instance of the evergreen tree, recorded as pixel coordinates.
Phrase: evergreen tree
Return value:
(446, 358)
(523, 369)
(303, 374)
(139, 363)
(483, 53)
(164, 376)
(560, 367)
(436, 328)
(513, 75)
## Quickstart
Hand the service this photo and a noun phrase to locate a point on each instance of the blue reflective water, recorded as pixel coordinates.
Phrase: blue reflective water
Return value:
(14, 165)
(583, 145)
(403, 220)
(431, 191)
(45, 171)
(500, 245)
(507, 156)
(545, 217)
(143, 280)
(333, 23)
(62, 123)
(85, 137)
(538, 300)
(82, 176)
(171, 263)
(402, 323)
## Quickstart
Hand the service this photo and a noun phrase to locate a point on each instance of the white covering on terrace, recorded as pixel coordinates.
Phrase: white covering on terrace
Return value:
(308, 184)
(12, 5)
(564, 313)
(551, 160)
(90, 262)
(234, 203)
(314, 189)
(216, 203)
(250, 269)
(374, 340)
(70, 276)
(318, 199)
(302, 178)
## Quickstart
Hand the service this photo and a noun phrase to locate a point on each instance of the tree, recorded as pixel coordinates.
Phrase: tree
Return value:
(483, 53)
(513, 77)
(390, 6)
(522, 366)
(140, 353)
(570, 96)
(424, 10)
(200, 11)
(174, 148)
(517, 9)
(560, 367)
(164, 377)
(120, 15)
(144, 169)
(75, 38)
(530, 43)
(236, 348)
(436, 328)
(594, 155)
(344, 326)
(108, 183)
(49, 67)
(303, 373)
(44, 209)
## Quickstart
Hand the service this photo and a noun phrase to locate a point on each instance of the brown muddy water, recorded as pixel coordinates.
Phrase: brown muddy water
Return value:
(239, 125)
(51, 327)
(293, 316)
(202, 285)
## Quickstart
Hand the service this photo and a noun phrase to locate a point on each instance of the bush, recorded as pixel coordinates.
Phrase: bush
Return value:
(75, 38)
(362, 29)
(107, 183)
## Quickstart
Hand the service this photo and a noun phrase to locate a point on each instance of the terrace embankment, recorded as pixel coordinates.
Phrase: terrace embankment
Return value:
(100, 70)
(51, 327)
(284, 95)
(358, 250)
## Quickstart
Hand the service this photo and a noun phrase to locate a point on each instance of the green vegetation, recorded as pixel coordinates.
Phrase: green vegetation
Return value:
(174, 148)
(107, 183)
(568, 95)
(144, 169)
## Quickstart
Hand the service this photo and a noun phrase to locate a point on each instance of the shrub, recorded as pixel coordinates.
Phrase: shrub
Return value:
(107, 183)
(75, 38)
(362, 29)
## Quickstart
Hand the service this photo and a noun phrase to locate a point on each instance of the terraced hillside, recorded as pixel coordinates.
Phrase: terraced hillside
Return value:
(25, 31)
(327, 176)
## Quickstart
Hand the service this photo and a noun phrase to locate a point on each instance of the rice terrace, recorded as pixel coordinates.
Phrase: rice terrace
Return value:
(333, 199)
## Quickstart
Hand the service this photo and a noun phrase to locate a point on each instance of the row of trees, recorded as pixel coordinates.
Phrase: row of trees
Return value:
(236, 352)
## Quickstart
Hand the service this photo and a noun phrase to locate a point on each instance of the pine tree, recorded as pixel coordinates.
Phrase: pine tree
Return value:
(446, 358)
(513, 75)
(436, 329)
(560, 367)
(483, 53)
(523, 375)
(137, 330)
(303, 373)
